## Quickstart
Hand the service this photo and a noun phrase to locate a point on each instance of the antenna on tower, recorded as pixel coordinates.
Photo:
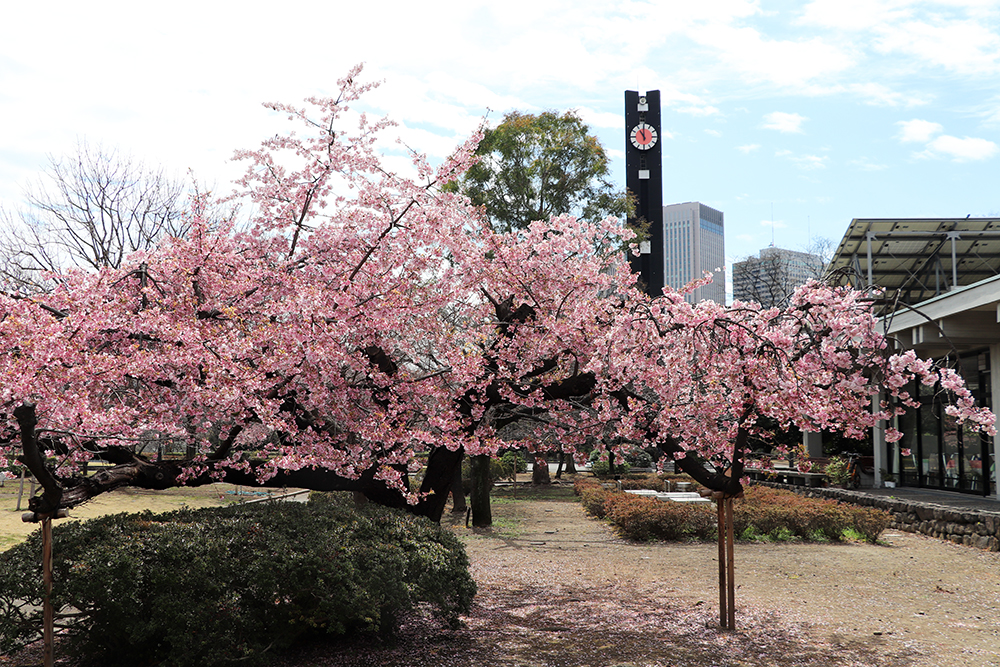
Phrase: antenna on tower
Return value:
(772, 224)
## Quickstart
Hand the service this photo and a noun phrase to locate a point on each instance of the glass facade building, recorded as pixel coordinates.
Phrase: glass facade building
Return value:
(943, 455)
(694, 242)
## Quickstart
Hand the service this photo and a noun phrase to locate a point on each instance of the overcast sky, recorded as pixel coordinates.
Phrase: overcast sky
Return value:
(790, 117)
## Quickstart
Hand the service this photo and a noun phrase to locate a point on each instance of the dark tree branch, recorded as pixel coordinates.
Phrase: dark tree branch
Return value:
(49, 501)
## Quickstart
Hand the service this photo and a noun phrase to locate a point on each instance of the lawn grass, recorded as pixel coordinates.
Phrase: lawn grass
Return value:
(13, 530)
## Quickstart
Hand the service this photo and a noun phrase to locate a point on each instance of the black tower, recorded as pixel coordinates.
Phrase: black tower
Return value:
(644, 180)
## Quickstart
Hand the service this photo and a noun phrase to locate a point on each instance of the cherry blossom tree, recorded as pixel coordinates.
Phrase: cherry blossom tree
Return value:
(363, 319)
(819, 364)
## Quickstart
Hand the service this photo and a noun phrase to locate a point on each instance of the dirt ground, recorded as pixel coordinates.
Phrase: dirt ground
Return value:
(558, 589)
(911, 600)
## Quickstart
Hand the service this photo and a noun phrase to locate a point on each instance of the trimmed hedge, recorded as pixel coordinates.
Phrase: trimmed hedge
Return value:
(763, 512)
(224, 585)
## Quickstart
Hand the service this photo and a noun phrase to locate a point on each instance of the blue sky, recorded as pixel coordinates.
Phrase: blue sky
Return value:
(806, 114)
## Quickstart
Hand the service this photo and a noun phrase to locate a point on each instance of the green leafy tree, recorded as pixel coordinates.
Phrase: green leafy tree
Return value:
(534, 166)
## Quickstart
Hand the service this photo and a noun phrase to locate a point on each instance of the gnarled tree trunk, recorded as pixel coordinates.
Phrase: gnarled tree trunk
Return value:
(479, 497)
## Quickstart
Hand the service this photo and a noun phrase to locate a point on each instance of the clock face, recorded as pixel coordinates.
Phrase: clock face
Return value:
(643, 136)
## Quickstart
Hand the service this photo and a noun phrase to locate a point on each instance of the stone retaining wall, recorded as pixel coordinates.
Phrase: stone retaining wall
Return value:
(973, 528)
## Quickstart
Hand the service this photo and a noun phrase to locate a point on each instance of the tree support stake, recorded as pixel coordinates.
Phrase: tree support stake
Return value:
(727, 568)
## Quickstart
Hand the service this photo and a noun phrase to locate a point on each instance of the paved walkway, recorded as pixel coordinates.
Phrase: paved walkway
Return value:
(958, 501)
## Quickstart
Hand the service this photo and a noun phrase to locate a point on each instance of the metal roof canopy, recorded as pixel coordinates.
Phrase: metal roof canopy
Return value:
(915, 259)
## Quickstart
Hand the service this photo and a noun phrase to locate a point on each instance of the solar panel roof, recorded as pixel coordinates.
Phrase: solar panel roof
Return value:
(915, 259)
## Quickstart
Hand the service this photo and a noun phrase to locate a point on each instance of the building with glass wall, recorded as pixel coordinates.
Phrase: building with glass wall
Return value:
(962, 327)
(694, 242)
(940, 296)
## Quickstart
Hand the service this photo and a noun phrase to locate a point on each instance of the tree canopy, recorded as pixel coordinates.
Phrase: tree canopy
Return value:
(363, 318)
(532, 167)
(90, 210)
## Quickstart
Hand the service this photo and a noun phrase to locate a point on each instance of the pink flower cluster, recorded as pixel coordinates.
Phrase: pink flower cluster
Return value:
(355, 321)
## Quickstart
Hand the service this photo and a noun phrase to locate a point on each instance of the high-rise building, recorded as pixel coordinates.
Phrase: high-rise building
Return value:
(772, 276)
(694, 242)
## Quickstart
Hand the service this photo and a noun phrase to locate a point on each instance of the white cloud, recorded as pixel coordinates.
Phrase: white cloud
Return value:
(601, 118)
(917, 130)
(966, 46)
(776, 224)
(713, 133)
(958, 35)
(943, 145)
(866, 164)
(747, 148)
(707, 110)
(787, 63)
(965, 149)
(989, 110)
(784, 122)
(853, 15)
(809, 162)
(422, 141)
(880, 95)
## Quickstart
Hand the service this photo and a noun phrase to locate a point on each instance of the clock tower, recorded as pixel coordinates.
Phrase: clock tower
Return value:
(644, 180)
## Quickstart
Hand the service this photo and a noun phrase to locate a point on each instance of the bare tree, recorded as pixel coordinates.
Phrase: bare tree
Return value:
(89, 210)
(771, 277)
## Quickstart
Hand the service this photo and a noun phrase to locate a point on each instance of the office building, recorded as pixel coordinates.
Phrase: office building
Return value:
(771, 277)
(694, 242)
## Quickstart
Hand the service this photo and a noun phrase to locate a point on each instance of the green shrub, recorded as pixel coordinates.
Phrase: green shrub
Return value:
(838, 470)
(637, 458)
(602, 469)
(769, 510)
(763, 513)
(641, 518)
(500, 469)
(592, 498)
(512, 462)
(224, 585)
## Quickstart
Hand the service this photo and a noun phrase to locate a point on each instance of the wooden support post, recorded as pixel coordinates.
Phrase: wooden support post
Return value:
(20, 491)
(727, 562)
(731, 578)
(47, 615)
(723, 614)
